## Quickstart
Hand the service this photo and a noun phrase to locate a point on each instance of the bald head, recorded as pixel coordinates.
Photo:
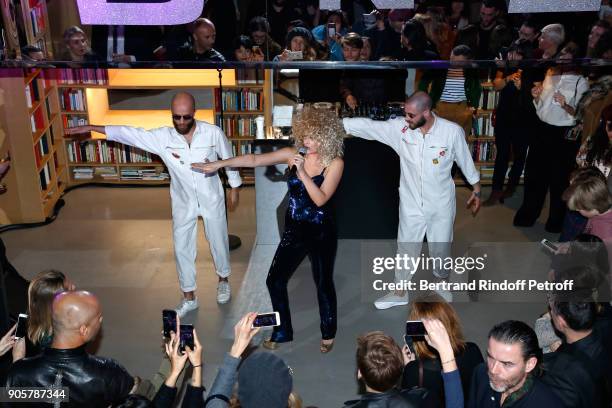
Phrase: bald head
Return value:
(183, 101)
(76, 315)
(420, 100)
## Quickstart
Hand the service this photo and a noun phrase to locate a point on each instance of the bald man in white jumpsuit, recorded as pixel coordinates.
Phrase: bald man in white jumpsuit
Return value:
(193, 194)
(427, 146)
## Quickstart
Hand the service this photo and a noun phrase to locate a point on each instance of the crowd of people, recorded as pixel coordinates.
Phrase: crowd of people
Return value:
(553, 119)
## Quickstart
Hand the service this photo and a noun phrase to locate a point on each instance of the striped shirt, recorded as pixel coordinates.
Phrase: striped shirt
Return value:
(454, 88)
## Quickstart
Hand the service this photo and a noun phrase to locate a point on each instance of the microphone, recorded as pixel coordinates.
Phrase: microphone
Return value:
(302, 152)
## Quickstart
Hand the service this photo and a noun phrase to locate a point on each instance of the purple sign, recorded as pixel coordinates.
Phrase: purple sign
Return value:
(139, 12)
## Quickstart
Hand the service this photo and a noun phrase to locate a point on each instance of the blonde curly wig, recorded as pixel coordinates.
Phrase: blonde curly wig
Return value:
(323, 126)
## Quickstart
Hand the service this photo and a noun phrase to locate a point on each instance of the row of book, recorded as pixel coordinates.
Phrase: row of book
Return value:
(37, 16)
(483, 126)
(41, 149)
(249, 76)
(72, 76)
(488, 99)
(73, 120)
(243, 99)
(72, 99)
(32, 93)
(483, 150)
(242, 148)
(237, 126)
(102, 151)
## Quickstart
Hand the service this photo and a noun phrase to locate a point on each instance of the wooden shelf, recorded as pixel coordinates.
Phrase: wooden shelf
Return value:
(242, 138)
(242, 86)
(43, 161)
(80, 85)
(484, 163)
(50, 186)
(38, 134)
(35, 105)
(90, 164)
(31, 76)
(141, 165)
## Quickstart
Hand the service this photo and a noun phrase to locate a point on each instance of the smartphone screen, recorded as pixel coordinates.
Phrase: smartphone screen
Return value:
(186, 337)
(415, 328)
(22, 326)
(331, 30)
(266, 320)
(169, 320)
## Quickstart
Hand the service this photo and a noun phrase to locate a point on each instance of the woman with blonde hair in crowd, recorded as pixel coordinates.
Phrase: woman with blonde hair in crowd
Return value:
(309, 224)
(41, 292)
(424, 366)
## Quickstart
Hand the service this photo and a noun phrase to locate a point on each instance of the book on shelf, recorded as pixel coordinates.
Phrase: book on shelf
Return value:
(488, 99)
(32, 93)
(37, 121)
(77, 76)
(483, 126)
(483, 150)
(45, 177)
(37, 16)
(72, 99)
(102, 151)
(41, 149)
(244, 147)
(486, 172)
(236, 125)
(74, 120)
(83, 173)
(242, 99)
(148, 174)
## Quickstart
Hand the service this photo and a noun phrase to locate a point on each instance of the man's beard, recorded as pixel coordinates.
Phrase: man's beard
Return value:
(188, 126)
(508, 384)
(418, 124)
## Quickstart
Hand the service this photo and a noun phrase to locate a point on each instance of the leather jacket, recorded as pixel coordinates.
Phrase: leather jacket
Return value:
(416, 398)
(91, 381)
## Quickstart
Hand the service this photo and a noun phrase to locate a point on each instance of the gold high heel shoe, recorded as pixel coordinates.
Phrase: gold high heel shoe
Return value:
(326, 347)
(269, 344)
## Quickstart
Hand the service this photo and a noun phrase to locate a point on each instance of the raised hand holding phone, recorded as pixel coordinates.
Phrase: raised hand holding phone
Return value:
(243, 334)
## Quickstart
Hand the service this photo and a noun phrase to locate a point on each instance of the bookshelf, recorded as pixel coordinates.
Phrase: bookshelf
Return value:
(99, 161)
(33, 136)
(241, 105)
(36, 22)
(481, 141)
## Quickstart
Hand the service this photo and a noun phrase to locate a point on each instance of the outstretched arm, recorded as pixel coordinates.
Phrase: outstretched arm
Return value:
(133, 136)
(247, 160)
(82, 132)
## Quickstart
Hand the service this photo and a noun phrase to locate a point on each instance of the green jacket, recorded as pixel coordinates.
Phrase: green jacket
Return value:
(433, 82)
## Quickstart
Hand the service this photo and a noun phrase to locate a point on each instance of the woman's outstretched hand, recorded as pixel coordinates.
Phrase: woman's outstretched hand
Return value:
(207, 168)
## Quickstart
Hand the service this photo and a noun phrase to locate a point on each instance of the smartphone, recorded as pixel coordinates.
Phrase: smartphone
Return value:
(267, 320)
(409, 343)
(369, 19)
(415, 328)
(331, 30)
(169, 320)
(295, 55)
(22, 326)
(186, 337)
(549, 246)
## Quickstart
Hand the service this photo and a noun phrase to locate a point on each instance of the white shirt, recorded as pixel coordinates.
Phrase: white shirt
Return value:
(571, 86)
(191, 192)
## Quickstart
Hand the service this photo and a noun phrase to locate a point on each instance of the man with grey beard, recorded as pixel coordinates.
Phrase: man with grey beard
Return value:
(511, 374)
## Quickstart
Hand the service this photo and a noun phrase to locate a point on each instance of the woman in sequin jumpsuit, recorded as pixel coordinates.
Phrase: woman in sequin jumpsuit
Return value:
(309, 224)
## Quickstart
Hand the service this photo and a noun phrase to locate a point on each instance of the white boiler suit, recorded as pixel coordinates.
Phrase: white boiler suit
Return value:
(193, 194)
(427, 191)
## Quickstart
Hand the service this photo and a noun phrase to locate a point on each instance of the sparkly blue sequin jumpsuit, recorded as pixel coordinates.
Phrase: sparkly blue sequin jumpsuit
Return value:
(309, 230)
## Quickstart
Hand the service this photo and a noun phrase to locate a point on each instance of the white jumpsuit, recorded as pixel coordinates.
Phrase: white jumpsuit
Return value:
(193, 194)
(427, 190)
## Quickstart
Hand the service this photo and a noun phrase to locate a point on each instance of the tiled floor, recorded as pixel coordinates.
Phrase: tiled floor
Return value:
(117, 243)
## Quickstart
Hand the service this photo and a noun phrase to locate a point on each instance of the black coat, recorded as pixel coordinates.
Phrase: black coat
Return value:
(482, 395)
(92, 381)
(415, 398)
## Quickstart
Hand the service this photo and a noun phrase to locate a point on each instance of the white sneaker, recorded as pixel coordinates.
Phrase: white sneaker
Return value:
(391, 300)
(223, 292)
(186, 306)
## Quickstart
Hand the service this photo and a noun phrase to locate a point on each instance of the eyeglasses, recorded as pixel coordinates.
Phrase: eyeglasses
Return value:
(184, 117)
(609, 126)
